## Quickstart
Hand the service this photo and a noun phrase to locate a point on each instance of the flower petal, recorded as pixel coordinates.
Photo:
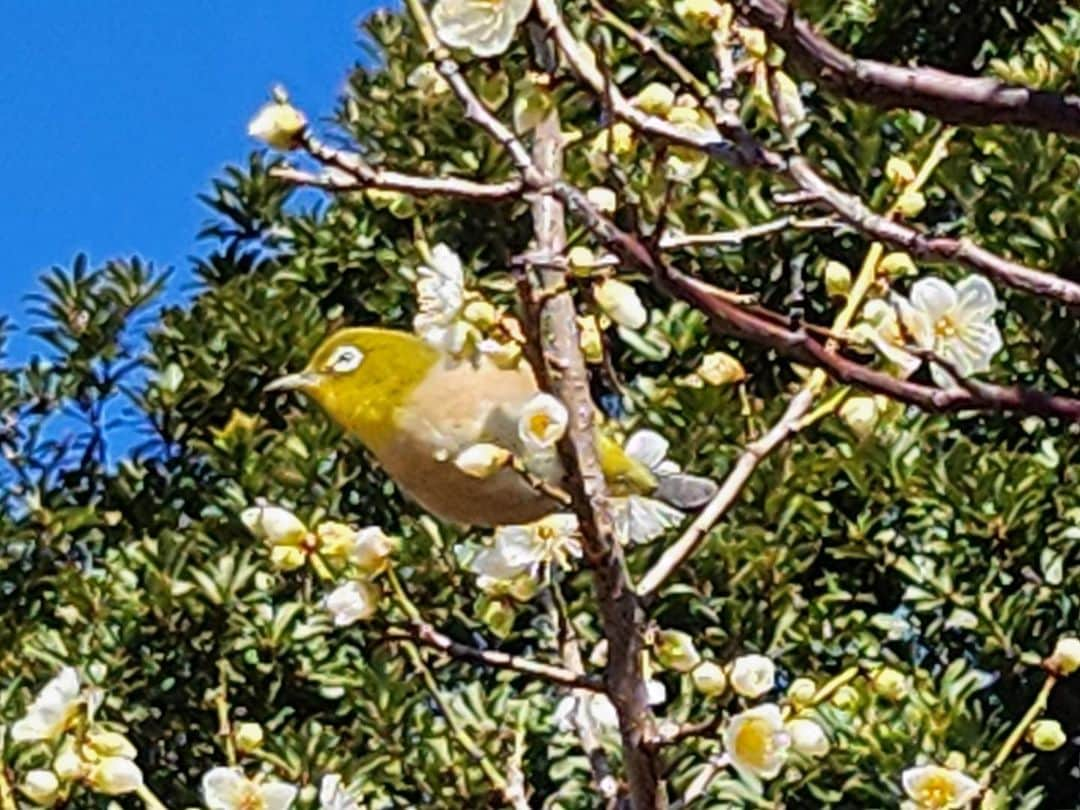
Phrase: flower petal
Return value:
(976, 298)
(933, 297)
(648, 447)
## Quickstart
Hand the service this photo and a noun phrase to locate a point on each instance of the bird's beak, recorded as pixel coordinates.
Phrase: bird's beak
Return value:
(292, 382)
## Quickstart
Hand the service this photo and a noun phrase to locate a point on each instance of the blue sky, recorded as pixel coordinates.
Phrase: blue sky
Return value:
(117, 113)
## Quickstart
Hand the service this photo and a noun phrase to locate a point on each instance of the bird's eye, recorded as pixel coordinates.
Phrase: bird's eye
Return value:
(345, 359)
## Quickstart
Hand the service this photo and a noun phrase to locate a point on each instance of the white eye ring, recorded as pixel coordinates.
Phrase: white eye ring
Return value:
(345, 359)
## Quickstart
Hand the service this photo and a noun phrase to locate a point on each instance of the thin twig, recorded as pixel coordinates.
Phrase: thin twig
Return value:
(740, 235)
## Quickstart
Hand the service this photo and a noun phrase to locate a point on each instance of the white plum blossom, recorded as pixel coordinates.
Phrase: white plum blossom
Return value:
(52, 710)
(752, 675)
(956, 323)
(440, 291)
(757, 741)
(333, 796)
(620, 302)
(600, 710)
(277, 124)
(351, 602)
(932, 787)
(553, 539)
(542, 422)
(370, 550)
(40, 786)
(229, 789)
(485, 27)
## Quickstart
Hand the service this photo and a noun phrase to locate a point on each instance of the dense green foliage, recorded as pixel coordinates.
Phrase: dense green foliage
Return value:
(941, 546)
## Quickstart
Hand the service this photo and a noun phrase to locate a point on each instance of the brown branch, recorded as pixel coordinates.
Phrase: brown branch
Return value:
(427, 635)
(415, 185)
(811, 185)
(683, 548)
(950, 97)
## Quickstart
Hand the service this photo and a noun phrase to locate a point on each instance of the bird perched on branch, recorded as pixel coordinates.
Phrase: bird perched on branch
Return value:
(472, 441)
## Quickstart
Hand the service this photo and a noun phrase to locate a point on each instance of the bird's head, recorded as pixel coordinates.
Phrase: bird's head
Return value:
(360, 375)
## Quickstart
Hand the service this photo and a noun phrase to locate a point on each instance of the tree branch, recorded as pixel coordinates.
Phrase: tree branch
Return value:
(950, 97)
(427, 635)
(416, 185)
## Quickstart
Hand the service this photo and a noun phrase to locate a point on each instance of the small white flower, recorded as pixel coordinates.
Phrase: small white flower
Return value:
(752, 675)
(553, 539)
(370, 550)
(482, 460)
(1066, 656)
(40, 786)
(807, 737)
(351, 602)
(115, 776)
(757, 742)
(932, 787)
(52, 710)
(485, 27)
(600, 710)
(440, 291)
(620, 302)
(427, 79)
(956, 323)
(229, 789)
(274, 524)
(333, 796)
(709, 678)
(542, 422)
(277, 124)
(675, 650)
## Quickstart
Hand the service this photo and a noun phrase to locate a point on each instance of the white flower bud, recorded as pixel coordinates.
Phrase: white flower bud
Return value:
(752, 675)
(720, 368)
(114, 776)
(277, 124)
(837, 279)
(1046, 735)
(1066, 657)
(620, 302)
(40, 786)
(891, 684)
(482, 460)
(249, 736)
(807, 737)
(274, 524)
(801, 691)
(675, 650)
(709, 678)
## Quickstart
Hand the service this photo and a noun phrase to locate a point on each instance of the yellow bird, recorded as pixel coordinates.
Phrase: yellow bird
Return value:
(417, 409)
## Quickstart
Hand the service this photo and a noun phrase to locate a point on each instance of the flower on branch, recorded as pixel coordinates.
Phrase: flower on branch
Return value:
(482, 460)
(956, 323)
(115, 776)
(40, 786)
(807, 737)
(675, 650)
(757, 741)
(352, 602)
(485, 27)
(440, 290)
(708, 678)
(752, 675)
(933, 787)
(880, 327)
(542, 422)
(52, 710)
(428, 82)
(333, 796)
(229, 789)
(620, 302)
(599, 708)
(278, 124)
(1046, 735)
(1065, 659)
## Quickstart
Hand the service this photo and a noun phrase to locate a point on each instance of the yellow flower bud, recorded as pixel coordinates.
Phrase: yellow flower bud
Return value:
(753, 39)
(709, 678)
(286, 558)
(101, 743)
(704, 13)
(897, 264)
(860, 414)
(581, 258)
(278, 124)
(481, 314)
(720, 368)
(1066, 657)
(910, 204)
(592, 343)
(249, 736)
(891, 684)
(655, 99)
(1046, 735)
(846, 699)
(899, 171)
(40, 786)
(837, 279)
(114, 776)
(675, 650)
(801, 692)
